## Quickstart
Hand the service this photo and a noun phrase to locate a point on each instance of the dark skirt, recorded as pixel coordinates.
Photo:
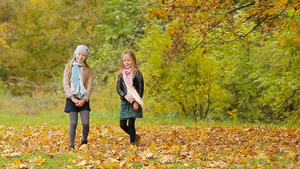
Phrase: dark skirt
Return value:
(71, 107)
(128, 112)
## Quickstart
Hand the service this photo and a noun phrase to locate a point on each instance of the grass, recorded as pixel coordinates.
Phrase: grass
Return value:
(61, 118)
(52, 118)
(24, 110)
(55, 162)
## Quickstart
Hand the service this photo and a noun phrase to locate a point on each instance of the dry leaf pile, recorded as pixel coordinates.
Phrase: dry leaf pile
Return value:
(161, 146)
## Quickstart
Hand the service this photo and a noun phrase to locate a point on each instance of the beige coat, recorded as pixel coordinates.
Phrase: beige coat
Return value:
(87, 76)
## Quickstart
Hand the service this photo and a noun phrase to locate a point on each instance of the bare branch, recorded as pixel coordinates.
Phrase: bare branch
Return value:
(195, 47)
(287, 99)
(47, 70)
(243, 36)
(27, 83)
(24, 82)
(241, 7)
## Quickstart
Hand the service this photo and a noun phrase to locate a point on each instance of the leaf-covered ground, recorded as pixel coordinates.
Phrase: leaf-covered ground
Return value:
(161, 147)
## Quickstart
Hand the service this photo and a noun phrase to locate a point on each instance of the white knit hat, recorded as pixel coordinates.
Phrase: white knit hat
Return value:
(82, 48)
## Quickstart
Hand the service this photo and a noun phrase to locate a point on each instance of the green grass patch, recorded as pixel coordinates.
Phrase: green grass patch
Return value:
(53, 118)
(40, 160)
(62, 118)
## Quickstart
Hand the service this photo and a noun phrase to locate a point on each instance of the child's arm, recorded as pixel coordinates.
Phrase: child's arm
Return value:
(66, 82)
(120, 87)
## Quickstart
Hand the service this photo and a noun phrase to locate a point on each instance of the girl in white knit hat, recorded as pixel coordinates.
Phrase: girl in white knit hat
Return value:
(78, 83)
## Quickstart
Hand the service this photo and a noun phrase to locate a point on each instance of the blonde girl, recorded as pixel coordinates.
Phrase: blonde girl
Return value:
(130, 87)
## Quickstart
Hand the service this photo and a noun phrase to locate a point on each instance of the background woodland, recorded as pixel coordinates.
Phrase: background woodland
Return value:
(203, 60)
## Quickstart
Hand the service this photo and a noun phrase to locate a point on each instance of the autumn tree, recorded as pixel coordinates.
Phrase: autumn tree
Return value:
(42, 35)
(243, 38)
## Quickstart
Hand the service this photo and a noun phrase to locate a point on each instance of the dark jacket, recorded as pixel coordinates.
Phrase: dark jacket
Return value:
(138, 83)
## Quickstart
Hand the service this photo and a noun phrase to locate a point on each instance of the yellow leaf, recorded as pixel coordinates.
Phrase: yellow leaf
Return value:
(27, 133)
(290, 154)
(111, 165)
(203, 133)
(132, 148)
(43, 142)
(18, 161)
(152, 147)
(129, 158)
(39, 160)
(175, 147)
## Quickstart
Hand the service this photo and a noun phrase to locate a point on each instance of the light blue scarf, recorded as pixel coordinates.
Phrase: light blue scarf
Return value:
(77, 86)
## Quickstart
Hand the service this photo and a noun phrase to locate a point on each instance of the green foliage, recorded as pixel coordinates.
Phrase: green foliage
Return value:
(45, 35)
(120, 27)
(252, 79)
(49, 31)
(150, 54)
(188, 83)
(272, 87)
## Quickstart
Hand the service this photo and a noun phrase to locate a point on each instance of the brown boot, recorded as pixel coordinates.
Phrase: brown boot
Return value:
(137, 140)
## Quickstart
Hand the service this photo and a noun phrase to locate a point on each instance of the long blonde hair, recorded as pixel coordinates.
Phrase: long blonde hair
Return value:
(134, 67)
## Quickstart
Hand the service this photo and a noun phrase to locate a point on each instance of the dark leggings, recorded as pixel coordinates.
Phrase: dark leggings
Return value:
(129, 129)
(85, 118)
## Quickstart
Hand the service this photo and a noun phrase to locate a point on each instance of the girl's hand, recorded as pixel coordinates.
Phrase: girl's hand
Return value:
(135, 106)
(75, 100)
(130, 99)
(80, 103)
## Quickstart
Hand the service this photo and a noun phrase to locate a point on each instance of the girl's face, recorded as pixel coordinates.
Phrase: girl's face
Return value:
(127, 61)
(80, 57)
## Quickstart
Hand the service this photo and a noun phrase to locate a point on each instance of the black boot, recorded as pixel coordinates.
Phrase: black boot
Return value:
(84, 145)
(84, 142)
(71, 148)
